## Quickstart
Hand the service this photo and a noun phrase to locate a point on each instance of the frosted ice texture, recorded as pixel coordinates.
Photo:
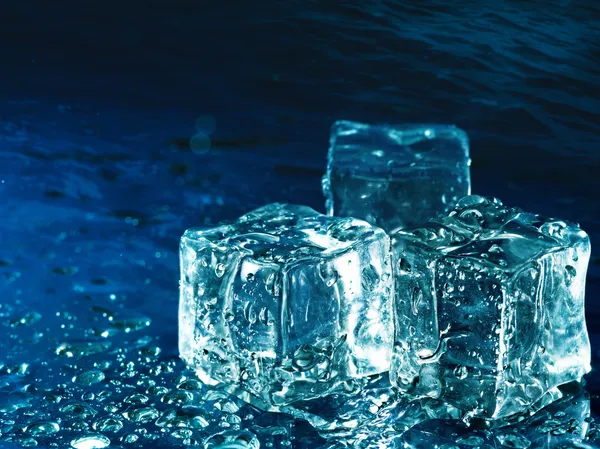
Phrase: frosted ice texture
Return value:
(286, 304)
(395, 176)
(489, 308)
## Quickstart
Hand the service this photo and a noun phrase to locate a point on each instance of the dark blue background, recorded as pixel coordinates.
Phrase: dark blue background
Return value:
(99, 101)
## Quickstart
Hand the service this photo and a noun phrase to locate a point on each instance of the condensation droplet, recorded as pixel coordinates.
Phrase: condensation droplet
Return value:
(28, 442)
(461, 372)
(404, 266)
(130, 438)
(570, 273)
(177, 397)
(112, 425)
(26, 319)
(81, 348)
(141, 415)
(89, 377)
(78, 409)
(136, 398)
(219, 270)
(42, 428)
(90, 441)
(250, 313)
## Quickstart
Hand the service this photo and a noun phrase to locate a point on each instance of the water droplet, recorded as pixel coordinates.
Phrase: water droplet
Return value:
(473, 200)
(425, 234)
(130, 438)
(228, 315)
(219, 270)
(130, 324)
(89, 377)
(403, 266)
(53, 398)
(24, 320)
(136, 398)
(90, 441)
(273, 284)
(81, 348)
(190, 384)
(250, 313)
(570, 273)
(473, 217)
(370, 278)
(495, 249)
(157, 390)
(307, 357)
(177, 397)
(28, 442)
(553, 229)
(232, 440)
(42, 428)
(182, 433)
(471, 440)
(266, 317)
(185, 417)
(79, 425)
(461, 372)
(78, 409)
(328, 274)
(150, 351)
(227, 406)
(425, 353)
(141, 415)
(417, 297)
(108, 425)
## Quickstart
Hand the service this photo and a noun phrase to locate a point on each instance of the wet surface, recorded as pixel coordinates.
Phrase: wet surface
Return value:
(108, 153)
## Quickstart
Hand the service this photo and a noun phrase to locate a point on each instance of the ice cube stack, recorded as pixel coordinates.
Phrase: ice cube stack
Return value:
(481, 307)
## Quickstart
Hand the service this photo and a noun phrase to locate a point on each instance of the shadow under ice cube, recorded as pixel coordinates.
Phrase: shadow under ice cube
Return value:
(489, 308)
(395, 176)
(286, 304)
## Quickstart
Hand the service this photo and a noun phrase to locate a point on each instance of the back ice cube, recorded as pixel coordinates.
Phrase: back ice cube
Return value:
(489, 308)
(286, 304)
(395, 176)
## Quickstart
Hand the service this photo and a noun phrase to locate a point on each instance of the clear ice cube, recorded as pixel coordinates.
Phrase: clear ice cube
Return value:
(395, 176)
(489, 308)
(286, 304)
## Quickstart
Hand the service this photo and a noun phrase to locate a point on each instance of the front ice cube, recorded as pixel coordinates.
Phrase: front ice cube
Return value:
(489, 308)
(286, 304)
(395, 176)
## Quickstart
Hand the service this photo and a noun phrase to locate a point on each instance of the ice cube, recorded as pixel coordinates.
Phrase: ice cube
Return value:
(489, 308)
(286, 304)
(395, 176)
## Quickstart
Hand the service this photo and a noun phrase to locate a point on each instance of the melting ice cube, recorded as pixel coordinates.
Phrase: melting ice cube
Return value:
(489, 308)
(286, 304)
